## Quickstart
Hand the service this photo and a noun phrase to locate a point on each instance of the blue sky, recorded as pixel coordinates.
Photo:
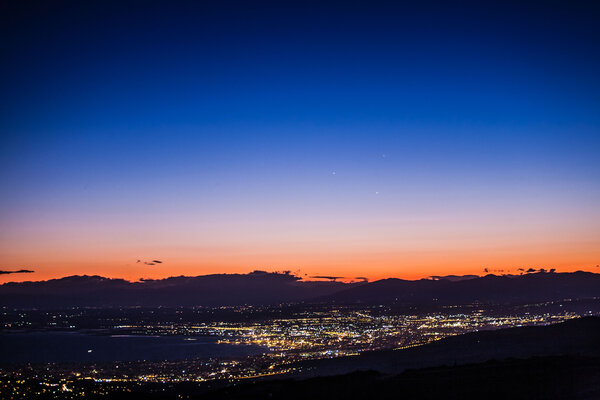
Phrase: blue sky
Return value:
(225, 112)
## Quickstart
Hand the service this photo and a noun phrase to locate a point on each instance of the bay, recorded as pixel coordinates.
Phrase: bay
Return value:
(54, 347)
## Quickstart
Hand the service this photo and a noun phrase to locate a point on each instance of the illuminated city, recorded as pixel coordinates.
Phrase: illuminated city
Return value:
(307, 332)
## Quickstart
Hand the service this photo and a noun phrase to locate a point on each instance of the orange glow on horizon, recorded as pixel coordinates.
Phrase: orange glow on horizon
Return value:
(374, 266)
(399, 249)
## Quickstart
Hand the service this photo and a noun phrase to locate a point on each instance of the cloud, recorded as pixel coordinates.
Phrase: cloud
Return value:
(332, 278)
(21, 271)
(362, 278)
(453, 278)
(153, 262)
(488, 270)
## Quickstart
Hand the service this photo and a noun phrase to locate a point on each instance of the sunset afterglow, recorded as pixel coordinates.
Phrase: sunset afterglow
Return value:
(367, 146)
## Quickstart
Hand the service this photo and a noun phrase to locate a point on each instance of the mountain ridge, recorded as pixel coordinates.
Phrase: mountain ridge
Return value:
(267, 288)
(509, 289)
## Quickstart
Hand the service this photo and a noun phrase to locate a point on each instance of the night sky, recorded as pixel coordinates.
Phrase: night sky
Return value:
(374, 139)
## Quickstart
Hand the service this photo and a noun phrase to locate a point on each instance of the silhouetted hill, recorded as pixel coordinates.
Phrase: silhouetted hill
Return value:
(273, 288)
(548, 378)
(208, 290)
(575, 337)
(488, 289)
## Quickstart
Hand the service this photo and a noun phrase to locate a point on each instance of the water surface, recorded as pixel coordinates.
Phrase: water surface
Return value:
(42, 347)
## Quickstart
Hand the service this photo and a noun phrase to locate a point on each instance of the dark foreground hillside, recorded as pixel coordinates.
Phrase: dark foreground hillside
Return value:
(550, 378)
(579, 336)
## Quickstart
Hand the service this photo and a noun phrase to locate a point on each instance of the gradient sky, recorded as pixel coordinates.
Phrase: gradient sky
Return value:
(352, 139)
